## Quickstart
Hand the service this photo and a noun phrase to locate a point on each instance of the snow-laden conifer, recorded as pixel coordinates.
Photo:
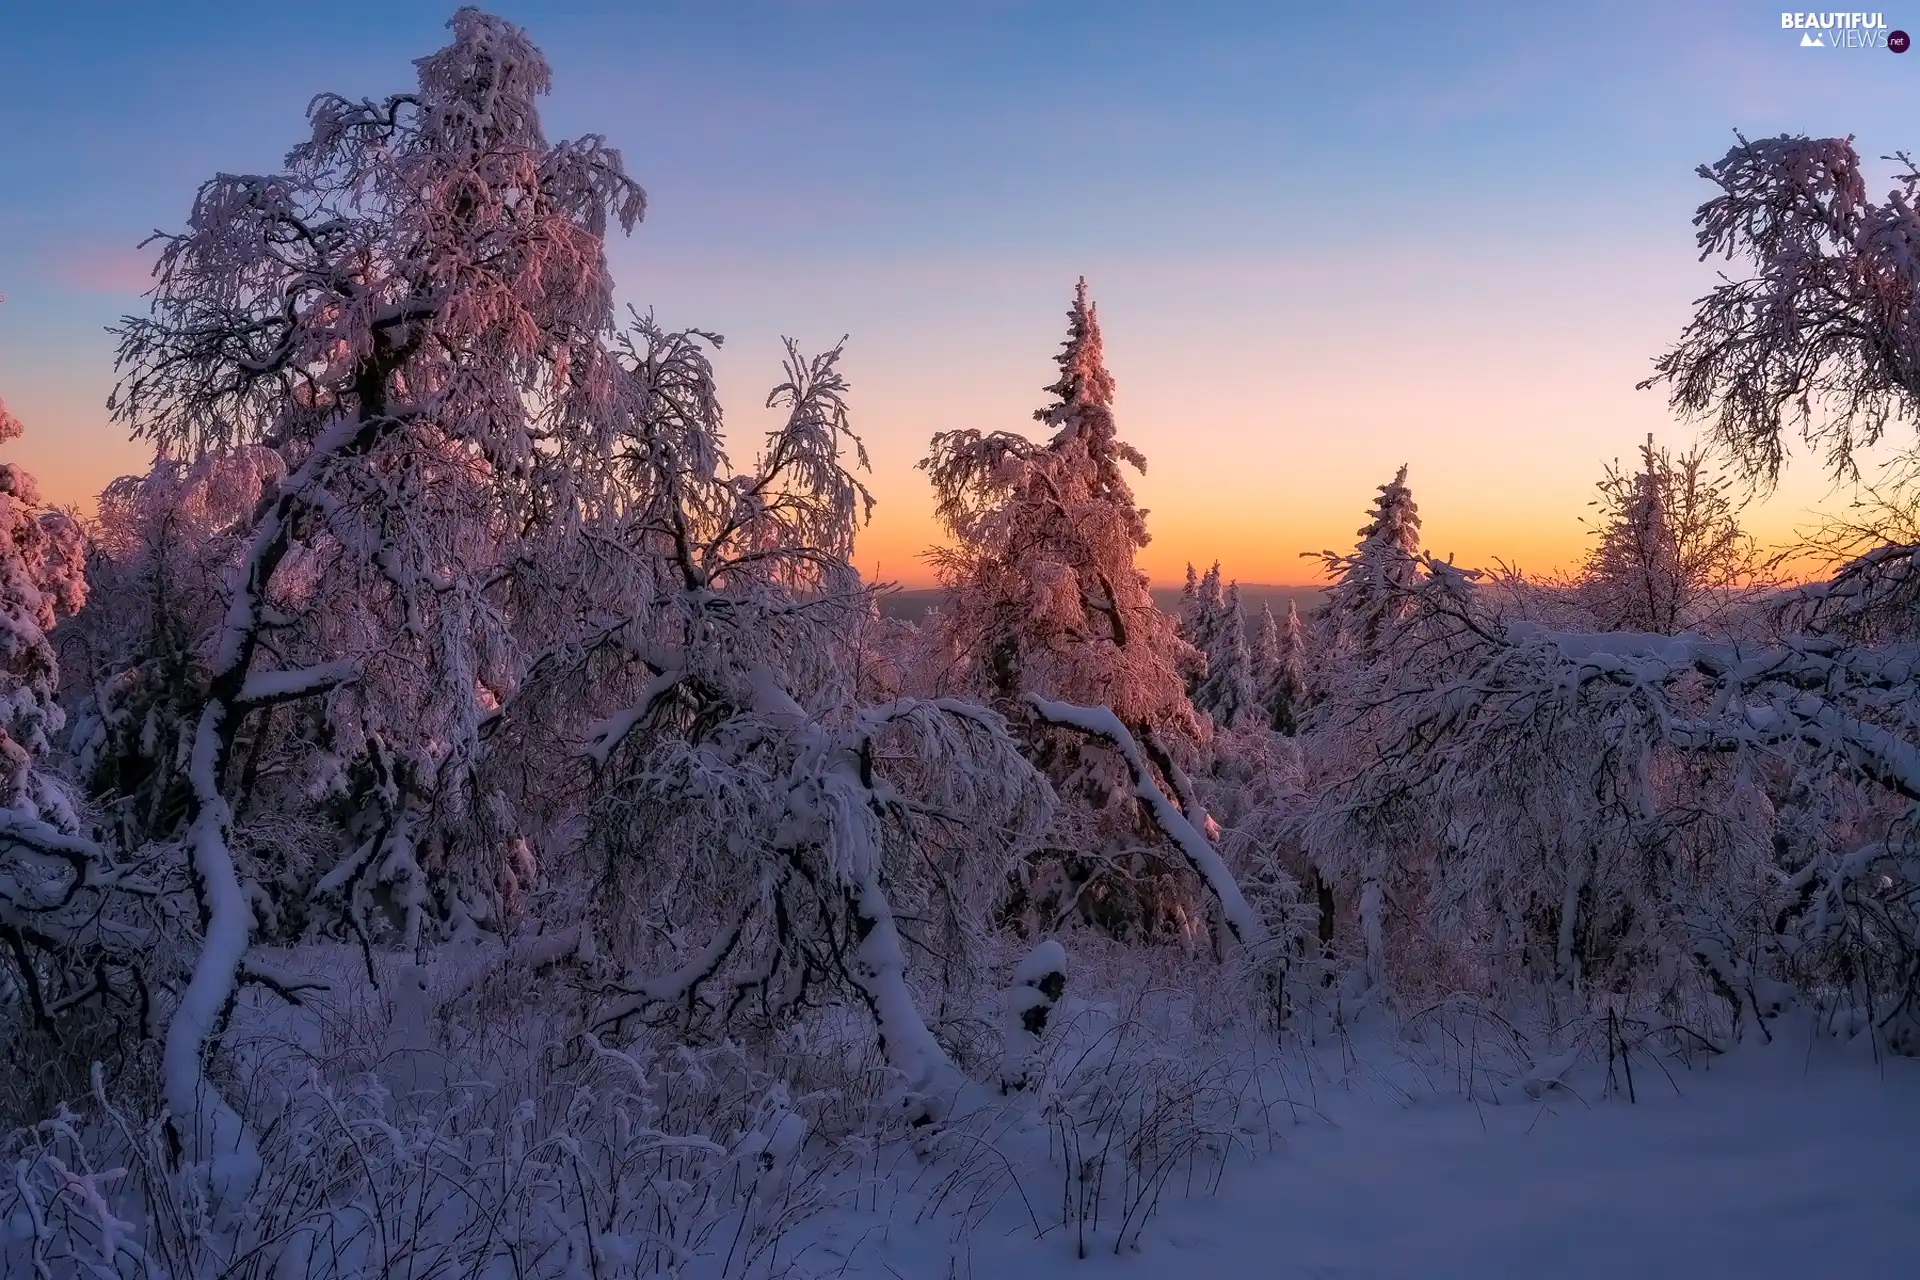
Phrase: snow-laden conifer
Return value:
(1367, 598)
(1280, 669)
(1047, 600)
(1226, 693)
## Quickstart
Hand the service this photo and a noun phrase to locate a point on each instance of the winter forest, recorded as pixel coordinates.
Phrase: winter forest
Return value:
(466, 815)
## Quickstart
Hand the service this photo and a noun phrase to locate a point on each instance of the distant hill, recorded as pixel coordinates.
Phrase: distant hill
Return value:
(912, 605)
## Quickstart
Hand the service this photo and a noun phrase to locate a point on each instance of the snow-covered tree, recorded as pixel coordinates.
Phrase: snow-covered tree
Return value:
(1729, 812)
(1619, 804)
(1226, 691)
(1371, 584)
(66, 950)
(1367, 641)
(162, 546)
(1047, 601)
(1280, 669)
(756, 837)
(1670, 552)
(410, 316)
(1046, 595)
(41, 576)
(1200, 609)
(1820, 333)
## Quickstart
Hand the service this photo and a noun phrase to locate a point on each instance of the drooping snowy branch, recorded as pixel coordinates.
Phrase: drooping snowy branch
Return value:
(1579, 788)
(1100, 722)
(612, 731)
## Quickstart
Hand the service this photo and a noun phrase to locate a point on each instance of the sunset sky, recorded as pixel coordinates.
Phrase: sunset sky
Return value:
(1325, 239)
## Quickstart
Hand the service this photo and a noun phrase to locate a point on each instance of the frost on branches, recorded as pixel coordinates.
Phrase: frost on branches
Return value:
(1671, 555)
(760, 839)
(1820, 334)
(410, 316)
(68, 943)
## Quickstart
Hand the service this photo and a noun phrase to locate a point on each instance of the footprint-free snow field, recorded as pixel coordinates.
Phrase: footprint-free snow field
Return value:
(1767, 1162)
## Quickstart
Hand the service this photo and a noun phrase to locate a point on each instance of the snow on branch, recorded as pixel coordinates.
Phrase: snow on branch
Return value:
(45, 838)
(607, 734)
(1808, 689)
(1817, 331)
(269, 688)
(1101, 723)
(682, 984)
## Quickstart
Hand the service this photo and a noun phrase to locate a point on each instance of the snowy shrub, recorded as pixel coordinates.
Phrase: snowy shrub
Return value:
(1039, 980)
(611, 1162)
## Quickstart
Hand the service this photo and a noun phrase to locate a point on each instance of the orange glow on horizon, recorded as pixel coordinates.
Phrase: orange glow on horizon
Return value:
(1267, 428)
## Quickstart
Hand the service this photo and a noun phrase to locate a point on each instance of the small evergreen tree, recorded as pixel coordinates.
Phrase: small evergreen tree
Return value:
(1227, 691)
(1373, 583)
(1280, 669)
(1199, 621)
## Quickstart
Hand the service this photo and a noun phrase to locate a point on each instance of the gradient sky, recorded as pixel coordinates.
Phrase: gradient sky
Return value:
(1325, 239)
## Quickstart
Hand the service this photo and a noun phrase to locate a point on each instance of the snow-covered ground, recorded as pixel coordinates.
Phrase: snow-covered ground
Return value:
(1772, 1161)
(1194, 1153)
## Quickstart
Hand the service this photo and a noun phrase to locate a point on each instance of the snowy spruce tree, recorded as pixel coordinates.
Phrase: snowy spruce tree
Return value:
(1189, 603)
(1363, 858)
(1046, 595)
(1200, 610)
(1280, 670)
(1049, 608)
(1225, 692)
(1372, 584)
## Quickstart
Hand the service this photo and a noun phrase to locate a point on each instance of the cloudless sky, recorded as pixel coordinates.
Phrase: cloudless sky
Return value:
(1325, 239)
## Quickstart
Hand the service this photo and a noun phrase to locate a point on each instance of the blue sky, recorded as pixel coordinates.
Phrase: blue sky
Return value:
(1326, 239)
